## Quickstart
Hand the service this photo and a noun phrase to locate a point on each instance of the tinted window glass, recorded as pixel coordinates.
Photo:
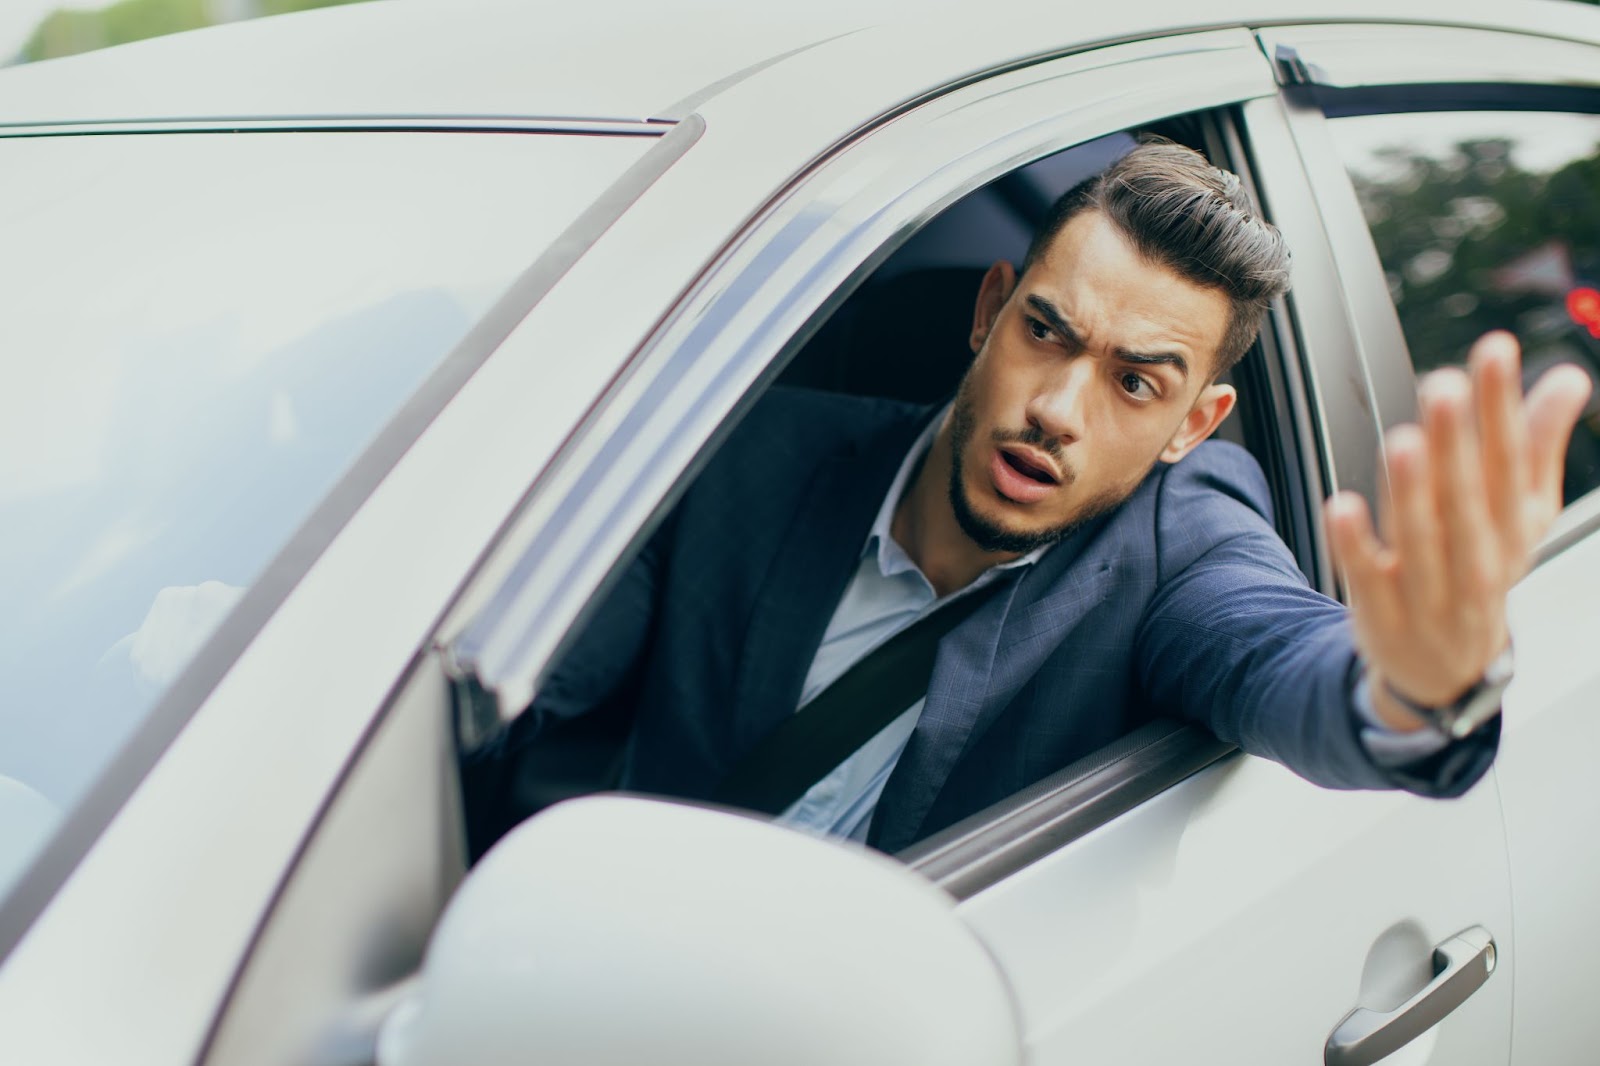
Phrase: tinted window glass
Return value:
(1489, 220)
(200, 333)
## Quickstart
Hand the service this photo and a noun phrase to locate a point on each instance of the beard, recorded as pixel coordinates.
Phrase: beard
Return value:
(991, 535)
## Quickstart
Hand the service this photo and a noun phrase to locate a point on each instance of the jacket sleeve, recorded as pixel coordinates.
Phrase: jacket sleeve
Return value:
(600, 666)
(1235, 639)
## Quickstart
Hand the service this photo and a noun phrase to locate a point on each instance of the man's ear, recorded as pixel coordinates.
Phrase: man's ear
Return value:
(1204, 417)
(998, 283)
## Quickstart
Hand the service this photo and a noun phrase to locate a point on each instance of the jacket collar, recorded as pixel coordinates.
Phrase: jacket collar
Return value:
(818, 554)
(981, 666)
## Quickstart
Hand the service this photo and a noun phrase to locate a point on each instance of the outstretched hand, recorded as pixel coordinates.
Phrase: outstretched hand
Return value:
(1471, 493)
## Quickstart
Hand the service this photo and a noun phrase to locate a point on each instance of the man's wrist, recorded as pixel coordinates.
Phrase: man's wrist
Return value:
(1391, 713)
(1462, 716)
(1386, 746)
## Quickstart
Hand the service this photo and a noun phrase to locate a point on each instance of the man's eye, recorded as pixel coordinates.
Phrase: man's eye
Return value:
(1039, 330)
(1134, 385)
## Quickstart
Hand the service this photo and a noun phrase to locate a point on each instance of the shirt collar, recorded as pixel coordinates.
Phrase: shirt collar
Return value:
(892, 558)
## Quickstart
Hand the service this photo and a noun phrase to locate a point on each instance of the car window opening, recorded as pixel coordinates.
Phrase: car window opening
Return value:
(902, 336)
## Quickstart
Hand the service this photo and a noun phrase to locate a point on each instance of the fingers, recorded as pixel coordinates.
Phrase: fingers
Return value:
(1553, 407)
(1367, 565)
(1471, 490)
(1412, 521)
(1474, 558)
(1497, 387)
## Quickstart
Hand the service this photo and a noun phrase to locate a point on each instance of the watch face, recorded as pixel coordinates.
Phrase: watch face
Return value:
(1499, 672)
(1482, 701)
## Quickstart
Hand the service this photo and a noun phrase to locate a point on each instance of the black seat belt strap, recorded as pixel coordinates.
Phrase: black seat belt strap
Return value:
(851, 711)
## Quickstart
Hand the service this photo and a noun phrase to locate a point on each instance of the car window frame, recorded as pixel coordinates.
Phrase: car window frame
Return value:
(1335, 103)
(1329, 74)
(512, 621)
(657, 363)
(1309, 351)
(1357, 384)
(775, 284)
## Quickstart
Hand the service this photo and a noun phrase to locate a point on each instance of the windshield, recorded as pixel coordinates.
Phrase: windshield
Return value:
(198, 334)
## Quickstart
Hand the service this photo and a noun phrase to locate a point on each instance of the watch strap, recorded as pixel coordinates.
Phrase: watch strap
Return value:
(1473, 708)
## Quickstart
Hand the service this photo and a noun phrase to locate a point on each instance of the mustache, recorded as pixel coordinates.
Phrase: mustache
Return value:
(1035, 437)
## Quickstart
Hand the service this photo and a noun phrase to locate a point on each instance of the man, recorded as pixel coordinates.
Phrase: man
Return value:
(1126, 568)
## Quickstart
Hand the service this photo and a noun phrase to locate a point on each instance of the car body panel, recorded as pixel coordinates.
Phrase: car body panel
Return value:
(1551, 809)
(630, 61)
(1257, 910)
(1549, 727)
(120, 951)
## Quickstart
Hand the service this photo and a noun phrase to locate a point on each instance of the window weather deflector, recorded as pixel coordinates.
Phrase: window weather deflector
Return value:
(1290, 68)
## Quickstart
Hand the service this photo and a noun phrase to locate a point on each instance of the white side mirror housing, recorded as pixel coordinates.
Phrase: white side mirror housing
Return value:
(617, 930)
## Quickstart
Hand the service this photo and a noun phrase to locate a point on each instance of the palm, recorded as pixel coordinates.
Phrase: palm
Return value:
(1472, 491)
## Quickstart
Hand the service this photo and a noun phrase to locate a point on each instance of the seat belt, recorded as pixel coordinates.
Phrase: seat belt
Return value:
(839, 720)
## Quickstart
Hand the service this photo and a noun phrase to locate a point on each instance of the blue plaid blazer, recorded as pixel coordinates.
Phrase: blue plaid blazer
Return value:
(1181, 602)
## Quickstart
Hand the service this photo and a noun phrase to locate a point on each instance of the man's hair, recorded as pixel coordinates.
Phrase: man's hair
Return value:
(1191, 217)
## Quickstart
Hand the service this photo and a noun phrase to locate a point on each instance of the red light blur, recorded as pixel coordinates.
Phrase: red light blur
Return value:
(1584, 307)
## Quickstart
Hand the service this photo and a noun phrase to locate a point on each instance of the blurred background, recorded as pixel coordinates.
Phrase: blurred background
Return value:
(31, 30)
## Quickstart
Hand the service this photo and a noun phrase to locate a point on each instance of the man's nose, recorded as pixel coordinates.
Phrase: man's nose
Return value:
(1059, 408)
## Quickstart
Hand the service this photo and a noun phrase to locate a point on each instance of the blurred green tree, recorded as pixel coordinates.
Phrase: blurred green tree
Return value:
(1446, 224)
(67, 31)
(1470, 241)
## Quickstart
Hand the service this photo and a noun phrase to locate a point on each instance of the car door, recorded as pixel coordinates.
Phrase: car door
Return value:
(1467, 186)
(1169, 900)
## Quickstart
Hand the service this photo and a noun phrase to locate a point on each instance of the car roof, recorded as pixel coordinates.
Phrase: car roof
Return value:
(618, 60)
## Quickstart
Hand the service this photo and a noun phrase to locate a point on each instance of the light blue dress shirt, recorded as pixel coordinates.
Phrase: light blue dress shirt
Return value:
(888, 593)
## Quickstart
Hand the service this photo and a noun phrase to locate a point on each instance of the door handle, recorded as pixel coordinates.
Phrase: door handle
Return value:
(1460, 967)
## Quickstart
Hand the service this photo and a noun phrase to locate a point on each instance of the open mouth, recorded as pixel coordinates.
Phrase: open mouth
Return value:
(1028, 470)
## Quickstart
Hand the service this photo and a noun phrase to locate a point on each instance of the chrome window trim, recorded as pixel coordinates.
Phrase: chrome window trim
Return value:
(343, 124)
(759, 302)
(32, 892)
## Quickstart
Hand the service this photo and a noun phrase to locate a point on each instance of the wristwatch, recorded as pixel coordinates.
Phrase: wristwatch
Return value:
(1475, 706)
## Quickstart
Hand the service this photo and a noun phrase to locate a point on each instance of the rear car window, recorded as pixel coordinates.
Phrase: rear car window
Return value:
(1489, 220)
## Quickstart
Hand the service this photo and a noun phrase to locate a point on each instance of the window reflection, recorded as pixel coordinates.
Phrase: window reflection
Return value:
(200, 334)
(1489, 220)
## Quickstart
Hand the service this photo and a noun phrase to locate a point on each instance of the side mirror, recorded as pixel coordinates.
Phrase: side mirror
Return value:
(618, 930)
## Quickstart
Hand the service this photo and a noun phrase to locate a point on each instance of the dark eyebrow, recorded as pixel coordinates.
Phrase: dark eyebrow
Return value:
(1053, 317)
(1057, 321)
(1155, 359)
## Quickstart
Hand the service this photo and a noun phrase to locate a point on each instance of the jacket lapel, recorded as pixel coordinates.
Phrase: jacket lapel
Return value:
(815, 561)
(981, 666)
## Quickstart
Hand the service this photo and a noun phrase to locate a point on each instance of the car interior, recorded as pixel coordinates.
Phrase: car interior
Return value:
(903, 335)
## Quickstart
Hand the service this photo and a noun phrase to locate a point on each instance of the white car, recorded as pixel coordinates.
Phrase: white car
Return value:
(345, 355)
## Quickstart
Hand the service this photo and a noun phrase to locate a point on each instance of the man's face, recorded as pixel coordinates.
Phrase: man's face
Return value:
(1089, 369)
